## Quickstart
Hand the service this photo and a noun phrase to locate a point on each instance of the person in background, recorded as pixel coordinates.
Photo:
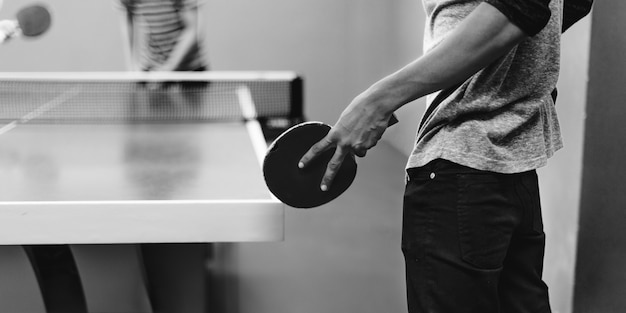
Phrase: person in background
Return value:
(164, 35)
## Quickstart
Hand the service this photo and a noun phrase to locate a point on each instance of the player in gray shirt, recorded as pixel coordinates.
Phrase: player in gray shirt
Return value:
(472, 233)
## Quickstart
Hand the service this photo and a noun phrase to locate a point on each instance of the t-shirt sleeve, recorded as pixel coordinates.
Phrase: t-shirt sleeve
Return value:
(574, 10)
(529, 15)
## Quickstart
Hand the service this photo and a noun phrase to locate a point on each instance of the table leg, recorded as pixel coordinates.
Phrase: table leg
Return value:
(19, 288)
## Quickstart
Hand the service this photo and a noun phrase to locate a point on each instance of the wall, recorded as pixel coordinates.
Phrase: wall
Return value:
(560, 181)
(600, 270)
(84, 36)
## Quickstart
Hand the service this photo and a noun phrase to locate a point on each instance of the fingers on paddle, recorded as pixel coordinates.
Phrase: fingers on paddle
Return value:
(315, 150)
(332, 168)
(333, 165)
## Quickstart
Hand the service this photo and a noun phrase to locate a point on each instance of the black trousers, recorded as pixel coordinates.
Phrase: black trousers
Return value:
(473, 241)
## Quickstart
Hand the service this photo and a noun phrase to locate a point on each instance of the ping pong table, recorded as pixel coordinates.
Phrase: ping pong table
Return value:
(102, 161)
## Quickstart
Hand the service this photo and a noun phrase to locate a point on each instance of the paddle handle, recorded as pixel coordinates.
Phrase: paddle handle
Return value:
(393, 120)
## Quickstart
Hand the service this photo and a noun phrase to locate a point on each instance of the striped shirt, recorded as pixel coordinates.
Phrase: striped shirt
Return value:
(162, 23)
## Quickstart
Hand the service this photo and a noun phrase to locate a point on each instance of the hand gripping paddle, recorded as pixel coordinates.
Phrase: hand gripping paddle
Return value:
(300, 188)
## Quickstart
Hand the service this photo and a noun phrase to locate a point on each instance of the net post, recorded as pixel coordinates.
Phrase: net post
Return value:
(297, 100)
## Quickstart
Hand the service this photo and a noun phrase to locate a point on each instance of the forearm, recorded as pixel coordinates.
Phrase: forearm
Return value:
(129, 41)
(480, 39)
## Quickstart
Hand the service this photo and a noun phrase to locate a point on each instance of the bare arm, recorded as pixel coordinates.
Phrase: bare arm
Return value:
(480, 39)
(129, 40)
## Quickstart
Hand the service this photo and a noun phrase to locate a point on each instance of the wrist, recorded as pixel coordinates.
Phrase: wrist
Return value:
(375, 105)
(383, 97)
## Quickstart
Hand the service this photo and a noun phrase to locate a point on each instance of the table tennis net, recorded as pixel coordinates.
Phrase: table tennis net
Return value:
(93, 100)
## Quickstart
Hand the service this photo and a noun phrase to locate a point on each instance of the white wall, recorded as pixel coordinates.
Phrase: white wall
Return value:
(600, 280)
(560, 181)
(84, 36)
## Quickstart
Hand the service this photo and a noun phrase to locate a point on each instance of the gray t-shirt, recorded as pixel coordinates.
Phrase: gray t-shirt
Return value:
(503, 118)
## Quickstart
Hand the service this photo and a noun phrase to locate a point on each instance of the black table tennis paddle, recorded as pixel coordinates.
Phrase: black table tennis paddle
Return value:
(300, 188)
(34, 20)
(30, 21)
